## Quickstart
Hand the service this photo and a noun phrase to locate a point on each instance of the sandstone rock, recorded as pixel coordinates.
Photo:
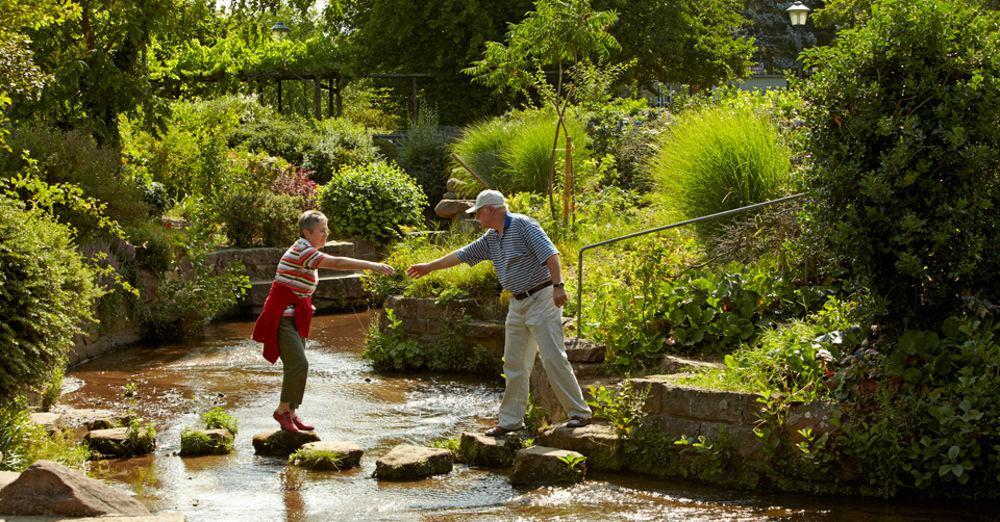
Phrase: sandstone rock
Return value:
(674, 364)
(542, 465)
(47, 420)
(584, 351)
(598, 442)
(280, 443)
(408, 462)
(453, 184)
(449, 195)
(449, 208)
(118, 442)
(196, 442)
(6, 477)
(48, 488)
(476, 449)
(328, 455)
(89, 419)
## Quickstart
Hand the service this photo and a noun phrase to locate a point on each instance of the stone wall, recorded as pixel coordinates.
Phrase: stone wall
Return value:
(425, 321)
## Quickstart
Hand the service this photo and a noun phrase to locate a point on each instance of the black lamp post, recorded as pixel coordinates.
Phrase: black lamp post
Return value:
(798, 14)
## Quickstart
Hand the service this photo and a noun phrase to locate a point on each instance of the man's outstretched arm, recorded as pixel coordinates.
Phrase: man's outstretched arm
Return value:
(422, 269)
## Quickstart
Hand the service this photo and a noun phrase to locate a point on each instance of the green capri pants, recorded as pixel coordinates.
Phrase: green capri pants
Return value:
(292, 349)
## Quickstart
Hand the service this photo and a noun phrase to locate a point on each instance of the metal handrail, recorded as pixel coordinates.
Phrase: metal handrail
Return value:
(579, 275)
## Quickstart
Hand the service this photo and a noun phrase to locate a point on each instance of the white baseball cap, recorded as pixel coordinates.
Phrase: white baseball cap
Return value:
(487, 198)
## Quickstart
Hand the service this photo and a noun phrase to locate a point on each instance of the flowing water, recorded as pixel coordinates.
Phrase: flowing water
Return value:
(347, 401)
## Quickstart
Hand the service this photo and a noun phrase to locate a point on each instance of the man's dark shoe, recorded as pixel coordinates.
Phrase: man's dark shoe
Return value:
(577, 422)
(497, 431)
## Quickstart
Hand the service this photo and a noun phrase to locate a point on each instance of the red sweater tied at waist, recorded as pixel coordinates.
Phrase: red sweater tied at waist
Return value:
(265, 330)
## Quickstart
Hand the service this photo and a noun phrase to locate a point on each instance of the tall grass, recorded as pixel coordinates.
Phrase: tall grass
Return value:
(512, 153)
(718, 159)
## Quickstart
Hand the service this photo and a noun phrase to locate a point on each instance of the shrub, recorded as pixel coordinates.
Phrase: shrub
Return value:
(183, 307)
(479, 146)
(47, 295)
(629, 131)
(389, 349)
(152, 246)
(423, 153)
(373, 202)
(261, 219)
(717, 159)
(296, 182)
(908, 191)
(338, 143)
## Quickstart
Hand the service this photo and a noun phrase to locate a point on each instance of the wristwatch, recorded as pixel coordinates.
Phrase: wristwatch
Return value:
(558, 285)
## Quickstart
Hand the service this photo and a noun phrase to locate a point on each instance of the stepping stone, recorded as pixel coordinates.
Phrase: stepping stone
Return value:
(476, 449)
(598, 442)
(408, 462)
(49, 421)
(206, 442)
(50, 489)
(280, 443)
(333, 456)
(115, 442)
(542, 465)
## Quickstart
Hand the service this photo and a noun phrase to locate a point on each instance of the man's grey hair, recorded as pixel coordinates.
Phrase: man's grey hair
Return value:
(309, 219)
(498, 207)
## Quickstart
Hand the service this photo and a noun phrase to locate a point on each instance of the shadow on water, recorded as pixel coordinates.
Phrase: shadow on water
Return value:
(347, 401)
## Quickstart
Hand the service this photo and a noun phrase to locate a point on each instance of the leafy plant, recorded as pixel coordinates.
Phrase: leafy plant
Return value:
(185, 306)
(219, 418)
(317, 459)
(423, 153)
(374, 202)
(622, 408)
(388, 348)
(574, 463)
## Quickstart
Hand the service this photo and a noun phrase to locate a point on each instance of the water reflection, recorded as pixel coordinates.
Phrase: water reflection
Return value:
(346, 401)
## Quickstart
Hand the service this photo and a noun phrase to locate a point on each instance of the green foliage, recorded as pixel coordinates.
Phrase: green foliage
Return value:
(622, 408)
(23, 442)
(219, 418)
(907, 192)
(316, 459)
(628, 131)
(574, 463)
(153, 247)
(512, 153)
(261, 219)
(699, 457)
(140, 437)
(53, 388)
(718, 159)
(682, 41)
(374, 202)
(388, 348)
(183, 307)
(46, 298)
(423, 154)
(450, 444)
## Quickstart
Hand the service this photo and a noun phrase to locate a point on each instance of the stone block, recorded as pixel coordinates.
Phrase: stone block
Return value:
(598, 442)
(408, 462)
(670, 364)
(280, 443)
(476, 449)
(541, 465)
(332, 456)
(584, 351)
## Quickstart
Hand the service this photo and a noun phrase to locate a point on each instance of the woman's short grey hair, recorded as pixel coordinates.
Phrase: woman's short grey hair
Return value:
(309, 219)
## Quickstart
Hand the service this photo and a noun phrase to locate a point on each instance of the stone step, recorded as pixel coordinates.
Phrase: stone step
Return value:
(541, 465)
(598, 442)
(676, 364)
(280, 443)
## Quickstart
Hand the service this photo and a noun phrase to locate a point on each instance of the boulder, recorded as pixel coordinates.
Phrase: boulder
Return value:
(328, 455)
(206, 442)
(449, 208)
(543, 465)
(449, 195)
(48, 420)
(408, 462)
(476, 449)
(117, 442)
(453, 184)
(48, 488)
(280, 443)
(598, 442)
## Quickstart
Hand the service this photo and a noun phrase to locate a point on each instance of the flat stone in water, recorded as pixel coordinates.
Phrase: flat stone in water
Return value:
(206, 442)
(348, 453)
(598, 442)
(476, 449)
(48, 488)
(408, 462)
(542, 465)
(280, 443)
(114, 443)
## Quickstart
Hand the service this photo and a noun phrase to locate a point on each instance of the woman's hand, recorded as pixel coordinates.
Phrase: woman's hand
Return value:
(382, 268)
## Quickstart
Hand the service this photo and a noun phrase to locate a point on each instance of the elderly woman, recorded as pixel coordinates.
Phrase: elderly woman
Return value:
(283, 326)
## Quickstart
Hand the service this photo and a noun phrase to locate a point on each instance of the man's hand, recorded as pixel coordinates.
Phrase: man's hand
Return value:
(382, 268)
(419, 270)
(559, 296)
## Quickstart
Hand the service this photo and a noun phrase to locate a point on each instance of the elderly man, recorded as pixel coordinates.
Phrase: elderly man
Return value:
(527, 264)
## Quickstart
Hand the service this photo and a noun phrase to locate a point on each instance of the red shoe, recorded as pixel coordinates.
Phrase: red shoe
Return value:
(286, 422)
(301, 425)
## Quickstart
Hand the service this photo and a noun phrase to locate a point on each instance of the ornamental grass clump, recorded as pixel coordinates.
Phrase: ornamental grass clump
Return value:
(718, 159)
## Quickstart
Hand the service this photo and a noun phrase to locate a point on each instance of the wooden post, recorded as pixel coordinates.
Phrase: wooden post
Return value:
(568, 182)
(329, 99)
(413, 97)
(279, 96)
(317, 99)
(340, 100)
(469, 169)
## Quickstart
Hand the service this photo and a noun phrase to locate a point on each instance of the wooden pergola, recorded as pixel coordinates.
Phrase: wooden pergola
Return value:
(331, 81)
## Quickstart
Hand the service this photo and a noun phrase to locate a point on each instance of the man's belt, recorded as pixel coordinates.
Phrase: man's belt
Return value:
(530, 291)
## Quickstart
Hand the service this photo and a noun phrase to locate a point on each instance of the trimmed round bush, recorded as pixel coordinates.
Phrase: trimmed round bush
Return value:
(372, 202)
(47, 293)
(261, 219)
(718, 159)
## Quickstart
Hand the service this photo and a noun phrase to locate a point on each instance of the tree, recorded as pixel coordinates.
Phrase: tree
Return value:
(682, 41)
(558, 33)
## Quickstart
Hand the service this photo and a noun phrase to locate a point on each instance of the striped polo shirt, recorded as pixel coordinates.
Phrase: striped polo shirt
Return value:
(518, 257)
(298, 270)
